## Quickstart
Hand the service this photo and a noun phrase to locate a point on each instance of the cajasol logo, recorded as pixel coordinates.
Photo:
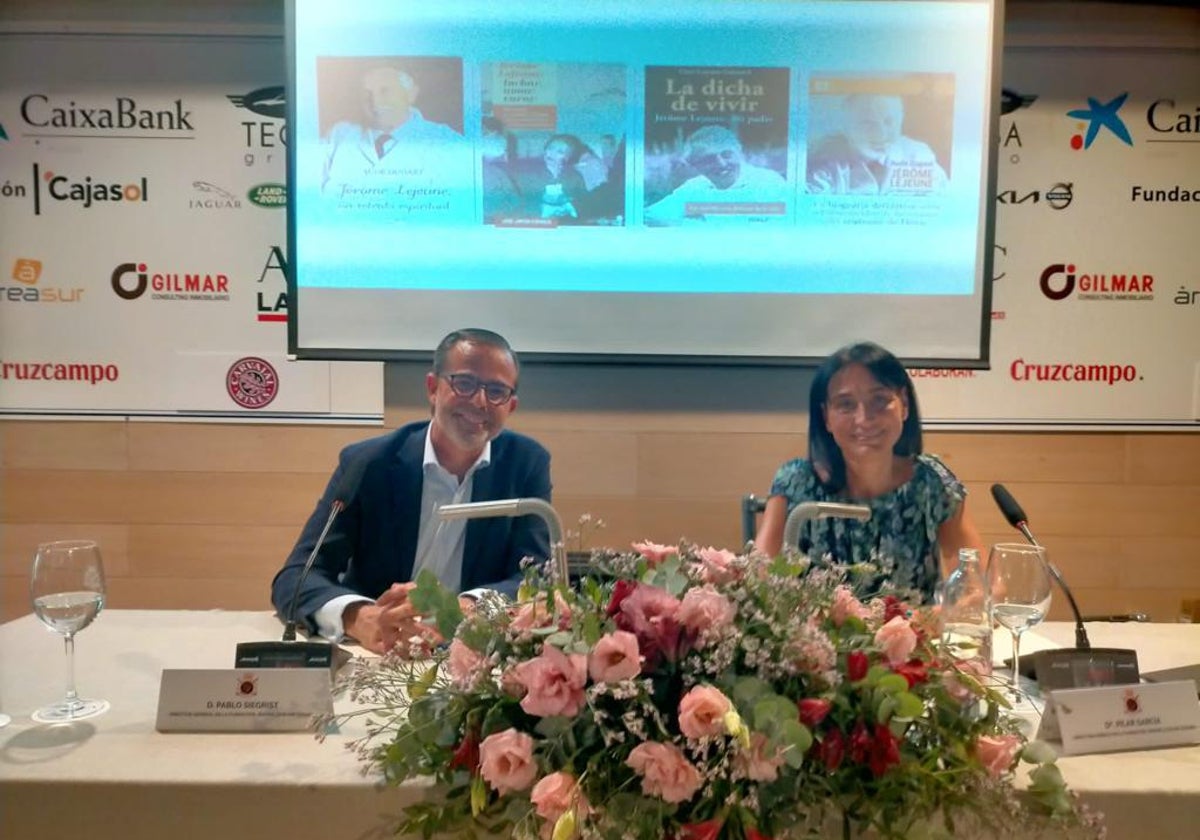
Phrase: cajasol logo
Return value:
(268, 195)
(84, 192)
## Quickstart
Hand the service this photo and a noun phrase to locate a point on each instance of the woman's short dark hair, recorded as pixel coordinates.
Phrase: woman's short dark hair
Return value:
(823, 451)
(576, 146)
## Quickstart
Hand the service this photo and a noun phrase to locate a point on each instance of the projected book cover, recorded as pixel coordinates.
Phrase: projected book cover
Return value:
(880, 135)
(392, 138)
(716, 145)
(552, 148)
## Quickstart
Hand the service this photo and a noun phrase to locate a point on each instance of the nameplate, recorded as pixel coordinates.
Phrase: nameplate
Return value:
(1126, 717)
(242, 699)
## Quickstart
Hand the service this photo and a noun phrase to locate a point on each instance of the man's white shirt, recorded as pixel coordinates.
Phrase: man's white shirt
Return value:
(440, 543)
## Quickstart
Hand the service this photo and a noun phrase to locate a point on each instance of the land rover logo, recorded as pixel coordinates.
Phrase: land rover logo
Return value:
(268, 195)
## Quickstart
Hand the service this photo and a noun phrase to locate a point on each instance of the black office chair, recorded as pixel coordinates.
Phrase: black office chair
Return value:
(752, 508)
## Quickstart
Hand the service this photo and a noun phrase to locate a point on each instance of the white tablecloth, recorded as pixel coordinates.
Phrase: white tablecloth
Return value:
(115, 776)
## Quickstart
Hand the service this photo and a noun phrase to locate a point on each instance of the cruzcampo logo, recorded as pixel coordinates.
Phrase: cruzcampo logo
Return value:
(268, 195)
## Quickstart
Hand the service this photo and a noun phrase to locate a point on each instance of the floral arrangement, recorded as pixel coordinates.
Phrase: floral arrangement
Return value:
(694, 694)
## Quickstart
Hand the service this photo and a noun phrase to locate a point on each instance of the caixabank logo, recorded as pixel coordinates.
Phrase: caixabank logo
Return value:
(1167, 120)
(1060, 281)
(122, 117)
(131, 280)
(52, 188)
(1099, 117)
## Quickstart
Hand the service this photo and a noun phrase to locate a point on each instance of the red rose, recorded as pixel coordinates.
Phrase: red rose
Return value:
(860, 743)
(466, 755)
(622, 590)
(885, 750)
(831, 749)
(813, 710)
(913, 671)
(856, 665)
(893, 607)
(700, 831)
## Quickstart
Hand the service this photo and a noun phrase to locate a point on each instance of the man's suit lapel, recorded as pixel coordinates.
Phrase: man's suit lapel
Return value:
(407, 475)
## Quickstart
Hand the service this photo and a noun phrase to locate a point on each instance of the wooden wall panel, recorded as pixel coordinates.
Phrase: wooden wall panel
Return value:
(202, 515)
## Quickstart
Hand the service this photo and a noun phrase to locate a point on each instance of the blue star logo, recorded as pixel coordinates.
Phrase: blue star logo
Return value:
(1101, 115)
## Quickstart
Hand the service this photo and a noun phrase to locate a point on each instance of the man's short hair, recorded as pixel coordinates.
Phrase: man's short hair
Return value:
(709, 137)
(406, 81)
(475, 335)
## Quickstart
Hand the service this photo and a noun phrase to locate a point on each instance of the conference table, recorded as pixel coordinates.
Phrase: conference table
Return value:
(115, 776)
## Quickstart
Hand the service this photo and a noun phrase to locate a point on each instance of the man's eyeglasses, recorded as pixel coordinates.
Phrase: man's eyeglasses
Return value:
(467, 385)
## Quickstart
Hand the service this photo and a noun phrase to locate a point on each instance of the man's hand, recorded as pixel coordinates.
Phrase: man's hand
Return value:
(391, 622)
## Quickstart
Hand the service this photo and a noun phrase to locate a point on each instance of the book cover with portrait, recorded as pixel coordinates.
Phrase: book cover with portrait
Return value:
(879, 135)
(716, 145)
(552, 144)
(392, 137)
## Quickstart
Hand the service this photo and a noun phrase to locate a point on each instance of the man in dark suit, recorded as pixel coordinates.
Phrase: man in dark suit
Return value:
(389, 530)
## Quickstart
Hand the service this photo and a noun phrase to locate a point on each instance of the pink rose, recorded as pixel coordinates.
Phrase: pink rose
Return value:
(703, 610)
(665, 771)
(506, 761)
(897, 640)
(761, 762)
(997, 753)
(845, 606)
(927, 622)
(615, 657)
(465, 664)
(702, 712)
(536, 613)
(959, 680)
(717, 565)
(654, 552)
(553, 682)
(649, 613)
(556, 794)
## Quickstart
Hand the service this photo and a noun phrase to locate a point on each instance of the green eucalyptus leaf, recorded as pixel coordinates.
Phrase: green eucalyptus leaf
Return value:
(1038, 752)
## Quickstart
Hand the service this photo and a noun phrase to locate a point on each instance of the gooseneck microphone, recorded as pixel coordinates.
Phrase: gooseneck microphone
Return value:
(1016, 518)
(288, 652)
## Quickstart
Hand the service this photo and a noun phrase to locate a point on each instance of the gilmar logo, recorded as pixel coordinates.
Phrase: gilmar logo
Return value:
(1098, 115)
(131, 280)
(1060, 280)
(110, 119)
(28, 272)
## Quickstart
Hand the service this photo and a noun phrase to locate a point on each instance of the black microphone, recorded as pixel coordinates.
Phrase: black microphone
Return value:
(289, 653)
(1082, 665)
(1016, 518)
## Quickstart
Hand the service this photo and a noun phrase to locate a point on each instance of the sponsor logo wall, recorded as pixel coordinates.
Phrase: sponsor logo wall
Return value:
(1095, 297)
(142, 262)
(142, 266)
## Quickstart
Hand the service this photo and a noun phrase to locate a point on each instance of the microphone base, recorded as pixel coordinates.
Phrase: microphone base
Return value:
(290, 655)
(1079, 668)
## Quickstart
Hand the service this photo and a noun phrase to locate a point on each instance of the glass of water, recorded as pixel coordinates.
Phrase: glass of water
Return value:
(1019, 580)
(67, 588)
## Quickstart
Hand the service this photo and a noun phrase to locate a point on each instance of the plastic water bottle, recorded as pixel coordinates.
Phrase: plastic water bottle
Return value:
(966, 614)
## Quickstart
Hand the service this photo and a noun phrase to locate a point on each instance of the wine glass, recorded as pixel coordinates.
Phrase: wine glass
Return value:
(67, 588)
(1019, 580)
